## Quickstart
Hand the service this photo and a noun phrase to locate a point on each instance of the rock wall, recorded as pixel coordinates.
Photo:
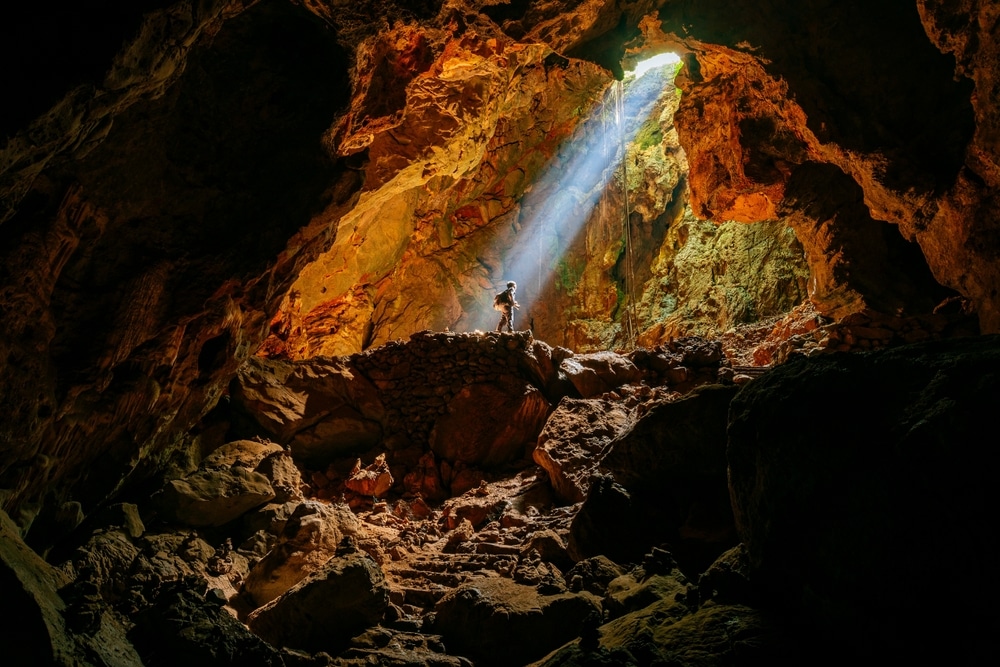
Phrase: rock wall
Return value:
(551, 174)
(142, 270)
(849, 117)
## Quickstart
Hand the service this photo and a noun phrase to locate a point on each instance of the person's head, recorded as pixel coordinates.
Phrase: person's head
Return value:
(511, 285)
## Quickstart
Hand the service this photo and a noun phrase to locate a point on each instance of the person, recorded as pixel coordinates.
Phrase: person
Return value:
(505, 303)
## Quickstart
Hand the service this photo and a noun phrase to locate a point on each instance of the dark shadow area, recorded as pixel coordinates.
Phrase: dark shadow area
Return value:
(864, 71)
(208, 183)
(46, 50)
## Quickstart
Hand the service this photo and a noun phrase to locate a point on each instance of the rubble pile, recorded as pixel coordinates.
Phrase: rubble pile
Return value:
(625, 516)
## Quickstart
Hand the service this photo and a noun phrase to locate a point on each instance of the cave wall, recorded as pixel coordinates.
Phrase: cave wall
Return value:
(901, 114)
(143, 244)
(155, 217)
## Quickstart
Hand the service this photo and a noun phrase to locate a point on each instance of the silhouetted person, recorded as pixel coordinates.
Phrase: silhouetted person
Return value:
(505, 303)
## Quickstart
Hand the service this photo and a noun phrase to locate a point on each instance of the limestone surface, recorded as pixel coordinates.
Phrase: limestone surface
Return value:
(309, 539)
(322, 612)
(574, 441)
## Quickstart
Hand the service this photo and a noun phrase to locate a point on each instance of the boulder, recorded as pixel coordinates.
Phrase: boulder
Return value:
(105, 560)
(593, 575)
(284, 475)
(247, 453)
(599, 372)
(573, 442)
(185, 628)
(641, 587)
(675, 444)
(39, 627)
(550, 547)
(490, 424)
(543, 361)
(495, 621)
(667, 485)
(167, 558)
(373, 480)
(213, 497)
(309, 539)
(385, 646)
(321, 408)
(323, 611)
(666, 632)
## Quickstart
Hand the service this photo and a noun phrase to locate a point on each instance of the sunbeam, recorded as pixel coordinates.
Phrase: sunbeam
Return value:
(574, 187)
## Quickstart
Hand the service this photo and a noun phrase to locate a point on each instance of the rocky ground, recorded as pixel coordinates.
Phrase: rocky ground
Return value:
(606, 535)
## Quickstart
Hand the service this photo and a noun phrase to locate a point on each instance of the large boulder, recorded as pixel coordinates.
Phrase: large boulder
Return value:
(310, 538)
(655, 616)
(664, 633)
(323, 611)
(599, 372)
(863, 486)
(320, 408)
(213, 497)
(248, 453)
(496, 621)
(667, 484)
(490, 424)
(573, 442)
(184, 627)
(105, 560)
(39, 626)
(224, 487)
(542, 361)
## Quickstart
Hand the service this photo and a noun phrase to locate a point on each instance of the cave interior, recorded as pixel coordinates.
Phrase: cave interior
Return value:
(257, 409)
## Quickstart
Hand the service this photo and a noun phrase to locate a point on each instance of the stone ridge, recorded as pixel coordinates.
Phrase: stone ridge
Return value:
(445, 408)
(417, 379)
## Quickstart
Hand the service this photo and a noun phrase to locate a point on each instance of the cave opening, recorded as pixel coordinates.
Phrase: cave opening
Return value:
(579, 193)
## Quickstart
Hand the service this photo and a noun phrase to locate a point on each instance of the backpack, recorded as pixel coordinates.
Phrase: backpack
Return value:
(501, 299)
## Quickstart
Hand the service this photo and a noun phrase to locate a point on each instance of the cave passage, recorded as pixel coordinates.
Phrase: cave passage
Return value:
(572, 191)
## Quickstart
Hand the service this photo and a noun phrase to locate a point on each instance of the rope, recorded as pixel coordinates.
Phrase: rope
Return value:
(628, 317)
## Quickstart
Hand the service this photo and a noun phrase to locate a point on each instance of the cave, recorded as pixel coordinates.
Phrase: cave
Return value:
(257, 409)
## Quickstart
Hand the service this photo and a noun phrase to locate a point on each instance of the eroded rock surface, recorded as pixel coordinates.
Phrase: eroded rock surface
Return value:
(500, 622)
(573, 443)
(666, 481)
(309, 539)
(337, 600)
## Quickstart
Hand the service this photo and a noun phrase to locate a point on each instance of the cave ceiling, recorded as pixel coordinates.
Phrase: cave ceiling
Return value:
(196, 180)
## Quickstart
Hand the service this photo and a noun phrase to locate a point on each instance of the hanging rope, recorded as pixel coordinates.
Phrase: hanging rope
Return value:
(628, 316)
